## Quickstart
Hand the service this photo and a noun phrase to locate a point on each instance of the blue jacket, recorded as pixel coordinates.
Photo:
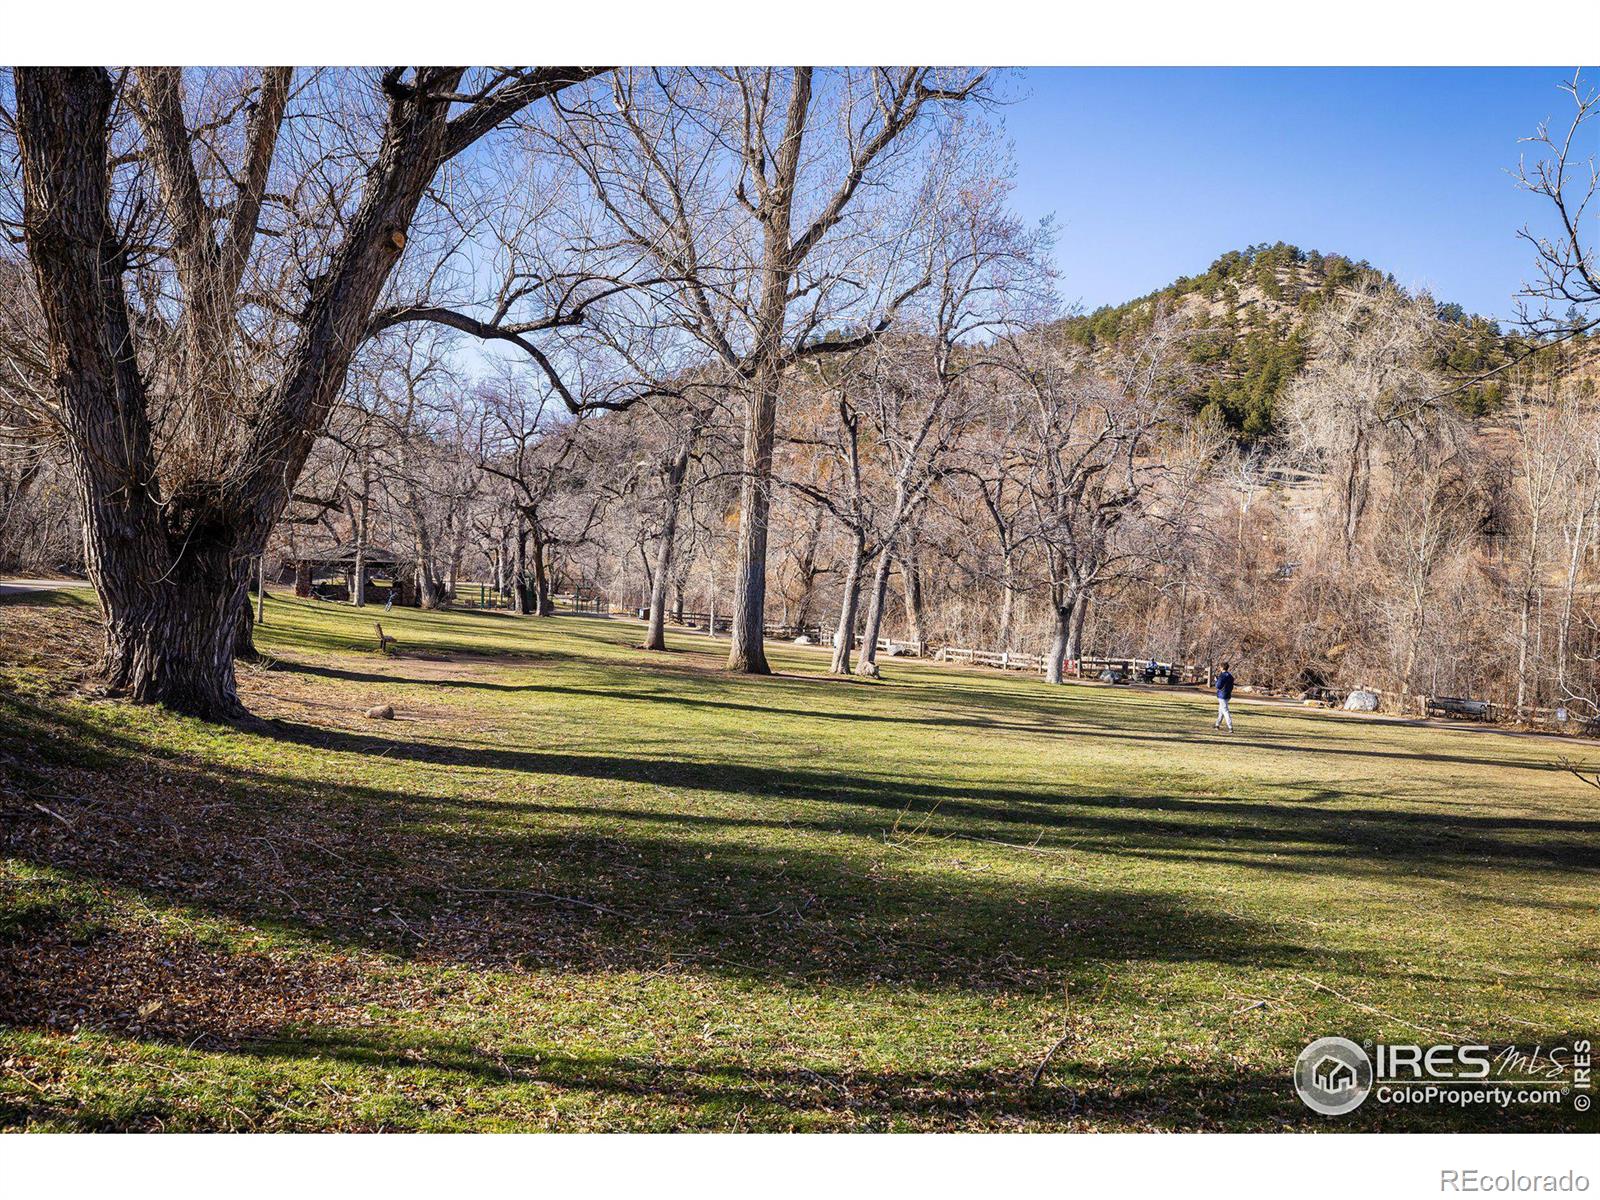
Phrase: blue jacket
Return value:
(1225, 686)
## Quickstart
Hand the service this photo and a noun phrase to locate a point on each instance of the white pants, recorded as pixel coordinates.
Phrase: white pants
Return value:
(1223, 719)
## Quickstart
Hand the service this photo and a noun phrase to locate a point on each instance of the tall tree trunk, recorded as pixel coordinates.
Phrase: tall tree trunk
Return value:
(1181, 635)
(806, 569)
(1072, 605)
(711, 594)
(543, 606)
(656, 638)
(868, 666)
(429, 594)
(1568, 591)
(844, 637)
(204, 615)
(747, 651)
(1058, 645)
(519, 586)
(358, 596)
(1080, 610)
(1354, 500)
(451, 563)
(1008, 600)
(1408, 666)
(911, 592)
(1524, 636)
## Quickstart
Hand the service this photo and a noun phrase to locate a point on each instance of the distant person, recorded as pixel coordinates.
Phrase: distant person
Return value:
(1224, 694)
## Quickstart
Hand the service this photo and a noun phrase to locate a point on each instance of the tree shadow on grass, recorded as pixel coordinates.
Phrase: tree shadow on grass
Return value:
(1073, 1094)
(758, 896)
(348, 675)
(1376, 837)
(453, 880)
(1066, 725)
(520, 1078)
(470, 873)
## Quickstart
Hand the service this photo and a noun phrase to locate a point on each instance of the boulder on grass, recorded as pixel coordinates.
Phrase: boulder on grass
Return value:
(1361, 700)
(802, 640)
(381, 712)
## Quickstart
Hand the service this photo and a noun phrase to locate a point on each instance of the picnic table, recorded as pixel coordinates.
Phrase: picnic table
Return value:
(1458, 706)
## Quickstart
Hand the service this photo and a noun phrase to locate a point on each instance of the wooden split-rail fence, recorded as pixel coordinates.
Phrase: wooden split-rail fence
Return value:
(1126, 670)
(778, 631)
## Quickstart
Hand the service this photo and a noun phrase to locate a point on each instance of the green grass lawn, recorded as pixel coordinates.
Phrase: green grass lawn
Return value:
(578, 886)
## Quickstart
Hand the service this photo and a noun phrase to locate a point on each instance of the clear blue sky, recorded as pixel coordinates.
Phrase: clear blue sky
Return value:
(1151, 173)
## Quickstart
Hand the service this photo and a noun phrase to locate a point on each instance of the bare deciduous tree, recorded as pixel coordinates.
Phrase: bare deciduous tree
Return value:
(183, 469)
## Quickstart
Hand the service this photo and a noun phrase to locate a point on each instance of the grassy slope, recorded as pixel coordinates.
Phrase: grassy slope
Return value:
(577, 886)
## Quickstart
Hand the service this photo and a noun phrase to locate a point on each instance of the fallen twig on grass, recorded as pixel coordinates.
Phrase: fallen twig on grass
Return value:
(921, 826)
(551, 896)
(50, 812)
(1038, 1072)
(1378, 1012)
(1066, 1036)
(1032, 847)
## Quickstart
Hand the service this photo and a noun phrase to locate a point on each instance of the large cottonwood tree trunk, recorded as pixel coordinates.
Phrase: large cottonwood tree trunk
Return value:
(171, 578)
(169, 557)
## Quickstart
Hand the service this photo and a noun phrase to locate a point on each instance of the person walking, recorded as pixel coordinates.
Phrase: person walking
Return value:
(1224, 694)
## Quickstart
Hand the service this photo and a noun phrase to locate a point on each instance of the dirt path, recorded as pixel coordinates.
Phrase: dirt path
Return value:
(16, 587)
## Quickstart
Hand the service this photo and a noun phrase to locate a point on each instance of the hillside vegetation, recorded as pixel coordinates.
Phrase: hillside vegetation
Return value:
(1253, 305)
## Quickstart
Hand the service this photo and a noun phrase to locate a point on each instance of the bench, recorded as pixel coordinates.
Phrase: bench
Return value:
(386, 644)
(1458, 706)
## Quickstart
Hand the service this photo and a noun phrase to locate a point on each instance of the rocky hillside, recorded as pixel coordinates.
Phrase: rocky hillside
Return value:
(1255, 304)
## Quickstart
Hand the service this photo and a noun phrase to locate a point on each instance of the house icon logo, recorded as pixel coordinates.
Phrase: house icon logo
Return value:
(1333, 1076)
